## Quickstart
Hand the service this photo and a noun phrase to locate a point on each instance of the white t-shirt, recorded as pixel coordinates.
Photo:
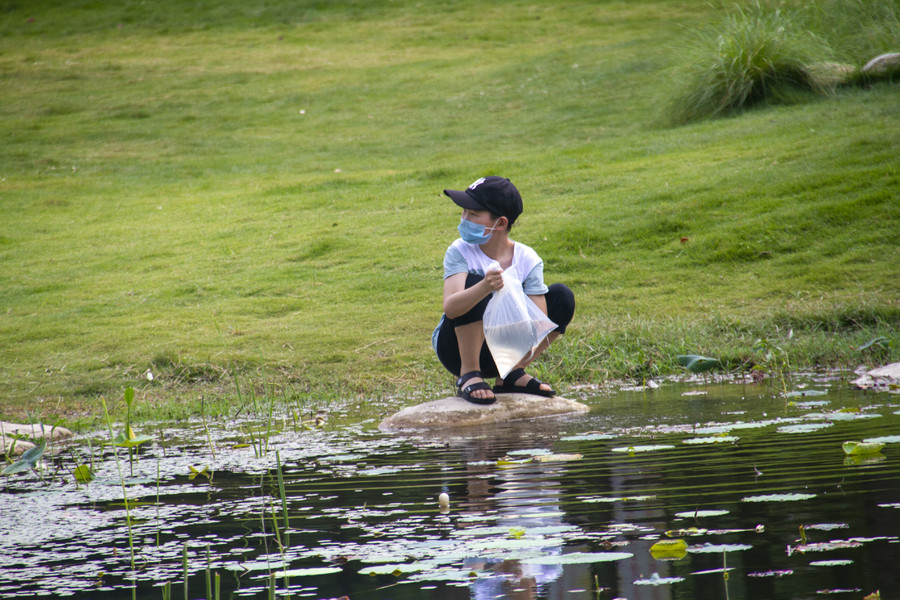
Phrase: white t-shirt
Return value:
(462, 257)
(527, 266)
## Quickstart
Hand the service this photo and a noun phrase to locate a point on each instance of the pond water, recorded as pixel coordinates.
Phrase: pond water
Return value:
(755, 485)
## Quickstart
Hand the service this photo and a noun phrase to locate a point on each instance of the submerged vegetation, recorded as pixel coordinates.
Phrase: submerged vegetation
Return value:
(231, 205)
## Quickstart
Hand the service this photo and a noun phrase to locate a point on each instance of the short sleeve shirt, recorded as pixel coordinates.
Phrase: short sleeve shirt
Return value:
(527, 266)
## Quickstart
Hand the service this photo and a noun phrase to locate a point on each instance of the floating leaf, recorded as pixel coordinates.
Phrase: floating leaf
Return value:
(712, 440)
(655, 579)
(778, 498)
(556, 458)
(696, 363)
(859, 448)
(83, 474)
(309, 572)
(669, 549)
(648, 448)
(578, 558)
(396, 569)
(701, 513)
(717, 548)
(685, 532)
(831, 563)
(824, 546)
(804, 393)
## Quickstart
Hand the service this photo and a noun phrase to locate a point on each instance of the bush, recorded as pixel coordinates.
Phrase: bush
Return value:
(755, 54)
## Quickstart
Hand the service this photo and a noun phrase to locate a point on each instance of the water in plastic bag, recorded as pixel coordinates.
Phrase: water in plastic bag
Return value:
(513, 325)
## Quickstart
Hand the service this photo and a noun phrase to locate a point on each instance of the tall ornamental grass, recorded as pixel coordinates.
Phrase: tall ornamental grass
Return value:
(856, 30)
(755, 54)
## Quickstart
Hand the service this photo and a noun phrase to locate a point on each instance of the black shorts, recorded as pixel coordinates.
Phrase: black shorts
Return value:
(560, 310)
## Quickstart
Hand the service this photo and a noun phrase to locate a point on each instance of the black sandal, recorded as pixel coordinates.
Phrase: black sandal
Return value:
(532, 387)
(466, 392)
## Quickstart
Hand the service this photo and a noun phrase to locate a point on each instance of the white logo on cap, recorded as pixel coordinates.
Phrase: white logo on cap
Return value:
(476, 183)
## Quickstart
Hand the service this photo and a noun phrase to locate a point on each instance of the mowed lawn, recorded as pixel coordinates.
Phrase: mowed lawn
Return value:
(215, 192)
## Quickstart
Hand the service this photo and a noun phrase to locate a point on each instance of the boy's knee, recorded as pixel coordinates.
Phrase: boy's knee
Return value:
(560, 305)
(477, 311)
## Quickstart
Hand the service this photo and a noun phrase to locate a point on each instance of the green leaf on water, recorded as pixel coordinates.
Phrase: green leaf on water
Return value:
(83, 474)
(696, 363)
(578, 558)
(309, 572)
(669, 549)
(857, 448)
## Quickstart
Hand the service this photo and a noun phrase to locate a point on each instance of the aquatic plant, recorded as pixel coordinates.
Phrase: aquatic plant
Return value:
(121, 480)
(28, 461)
(775, 361)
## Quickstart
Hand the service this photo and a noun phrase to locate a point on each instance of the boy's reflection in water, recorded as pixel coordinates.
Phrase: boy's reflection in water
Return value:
(518, 498)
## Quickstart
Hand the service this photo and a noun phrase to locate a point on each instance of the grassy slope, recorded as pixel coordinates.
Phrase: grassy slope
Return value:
(191, 190)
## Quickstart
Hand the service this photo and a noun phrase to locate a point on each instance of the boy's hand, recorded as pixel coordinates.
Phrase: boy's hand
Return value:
(494, 279)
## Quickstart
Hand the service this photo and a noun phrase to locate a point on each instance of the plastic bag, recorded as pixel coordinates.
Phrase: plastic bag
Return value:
(514, 326)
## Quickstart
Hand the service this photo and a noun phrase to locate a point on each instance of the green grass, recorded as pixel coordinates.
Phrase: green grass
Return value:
(222, 188)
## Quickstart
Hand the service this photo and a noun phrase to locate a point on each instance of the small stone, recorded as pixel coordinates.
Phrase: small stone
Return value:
(885, 64)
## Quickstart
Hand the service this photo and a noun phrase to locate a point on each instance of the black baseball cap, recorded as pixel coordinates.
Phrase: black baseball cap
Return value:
(496, 194)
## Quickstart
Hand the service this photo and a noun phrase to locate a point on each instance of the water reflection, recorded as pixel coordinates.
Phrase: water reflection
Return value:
(757, 486)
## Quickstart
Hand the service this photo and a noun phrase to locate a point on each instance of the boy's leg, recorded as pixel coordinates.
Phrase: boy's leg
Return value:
(461, 347)
(470, 338)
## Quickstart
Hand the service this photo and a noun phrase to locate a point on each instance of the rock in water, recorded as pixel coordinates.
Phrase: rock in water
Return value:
(456, 412)
(882, 379)
(10, 431)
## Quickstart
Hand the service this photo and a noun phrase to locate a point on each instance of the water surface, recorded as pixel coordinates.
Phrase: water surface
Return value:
(755, 484)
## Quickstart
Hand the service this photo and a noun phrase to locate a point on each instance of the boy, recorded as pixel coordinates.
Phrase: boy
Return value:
(490, 207)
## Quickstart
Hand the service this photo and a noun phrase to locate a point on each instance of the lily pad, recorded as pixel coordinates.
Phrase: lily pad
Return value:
(309, 572)
(701, 513)
(655, 579)
(778, 497)
(669, 549)
(393, 569)
(647, 448)
(716, 439)
(578, 558)
(83, 474)
(803, 427)
(858, 448)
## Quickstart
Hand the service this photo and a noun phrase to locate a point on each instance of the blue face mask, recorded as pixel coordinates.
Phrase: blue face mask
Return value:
(473, 233)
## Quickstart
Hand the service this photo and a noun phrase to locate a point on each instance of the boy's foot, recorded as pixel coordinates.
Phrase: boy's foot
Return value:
(523, 383)
(478, 392)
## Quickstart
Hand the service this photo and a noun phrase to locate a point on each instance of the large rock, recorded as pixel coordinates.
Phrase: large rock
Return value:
(456, 412)
(882, 379)
(886, 64)
(15, 431)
